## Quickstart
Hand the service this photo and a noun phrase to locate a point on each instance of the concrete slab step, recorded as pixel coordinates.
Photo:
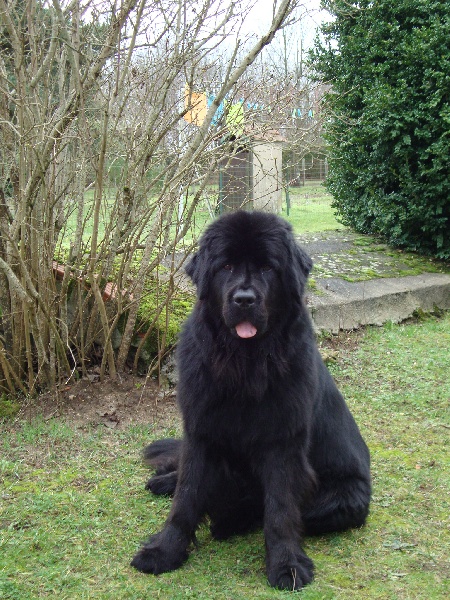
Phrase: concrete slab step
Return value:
(342, 305)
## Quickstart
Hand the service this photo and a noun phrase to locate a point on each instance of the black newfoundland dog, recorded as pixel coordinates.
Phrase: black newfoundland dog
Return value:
(268, 439)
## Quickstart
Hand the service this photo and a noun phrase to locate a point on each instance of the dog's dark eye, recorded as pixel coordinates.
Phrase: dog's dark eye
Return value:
(228, 267)
(266, 268)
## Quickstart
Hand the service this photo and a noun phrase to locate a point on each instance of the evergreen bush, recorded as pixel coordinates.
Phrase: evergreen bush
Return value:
(388, 65)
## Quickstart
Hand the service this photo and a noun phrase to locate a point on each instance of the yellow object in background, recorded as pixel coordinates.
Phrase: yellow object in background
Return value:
(197, 105)
(235, 118)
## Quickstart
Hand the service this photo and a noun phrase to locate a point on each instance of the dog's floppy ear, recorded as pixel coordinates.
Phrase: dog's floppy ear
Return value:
(303, 260)
(197, 268)
(297, 271)
(191, 267)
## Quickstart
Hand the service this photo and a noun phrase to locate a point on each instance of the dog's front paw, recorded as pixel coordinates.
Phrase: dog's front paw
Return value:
(291, 574)
(155, 558)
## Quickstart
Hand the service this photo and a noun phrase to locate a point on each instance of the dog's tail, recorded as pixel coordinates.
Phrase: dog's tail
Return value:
(164, 455)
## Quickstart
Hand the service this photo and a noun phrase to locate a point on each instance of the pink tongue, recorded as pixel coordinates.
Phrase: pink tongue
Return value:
(246, 330)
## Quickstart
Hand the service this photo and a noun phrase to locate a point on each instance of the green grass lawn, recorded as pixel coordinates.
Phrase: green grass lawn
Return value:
(310, 209)
(73, 506)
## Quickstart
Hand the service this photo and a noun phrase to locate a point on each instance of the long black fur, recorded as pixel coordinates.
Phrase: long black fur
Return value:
(268, 439)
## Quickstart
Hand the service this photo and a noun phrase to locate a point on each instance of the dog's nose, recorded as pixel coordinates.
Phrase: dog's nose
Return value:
(244, 298)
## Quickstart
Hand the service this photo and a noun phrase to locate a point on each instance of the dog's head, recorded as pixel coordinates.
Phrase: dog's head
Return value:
(250, 268)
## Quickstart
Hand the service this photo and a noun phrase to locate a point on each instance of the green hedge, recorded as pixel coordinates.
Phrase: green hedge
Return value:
(389, 118)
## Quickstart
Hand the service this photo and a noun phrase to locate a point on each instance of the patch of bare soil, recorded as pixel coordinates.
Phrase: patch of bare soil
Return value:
(344, 341)
(114, 404)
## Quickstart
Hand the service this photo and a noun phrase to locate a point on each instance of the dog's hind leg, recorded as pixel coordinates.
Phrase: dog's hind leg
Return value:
(163, 485)
(337, 505)
(165, 456)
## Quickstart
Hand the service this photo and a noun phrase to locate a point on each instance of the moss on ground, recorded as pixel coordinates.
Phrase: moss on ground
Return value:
(353, 257)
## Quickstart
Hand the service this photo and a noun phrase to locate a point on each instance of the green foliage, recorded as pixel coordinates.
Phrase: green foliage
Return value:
(389, 67)
(8, 407)
(170, 308)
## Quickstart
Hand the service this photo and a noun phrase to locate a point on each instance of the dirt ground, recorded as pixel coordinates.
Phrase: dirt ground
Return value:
(115, 404)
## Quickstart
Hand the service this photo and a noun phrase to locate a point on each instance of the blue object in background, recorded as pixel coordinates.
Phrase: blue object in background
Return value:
(219, 112)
